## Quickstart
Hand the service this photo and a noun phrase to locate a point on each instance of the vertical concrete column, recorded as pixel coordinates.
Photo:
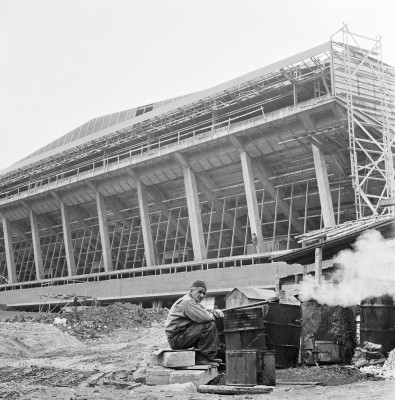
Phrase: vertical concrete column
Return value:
(68, 245)
(104, 236)
(145, 224)
(323, 187)
(38, 257)
(195, 218)
(9, 251)
(252, 203)
(318, 266)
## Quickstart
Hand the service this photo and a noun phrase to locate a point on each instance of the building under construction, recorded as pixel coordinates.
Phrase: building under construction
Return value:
(135, 205)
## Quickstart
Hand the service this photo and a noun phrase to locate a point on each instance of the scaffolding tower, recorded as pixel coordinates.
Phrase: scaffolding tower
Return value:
(367, 85)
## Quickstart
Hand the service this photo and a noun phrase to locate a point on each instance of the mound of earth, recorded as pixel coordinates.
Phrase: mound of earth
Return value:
(98, 322)
(26, 339)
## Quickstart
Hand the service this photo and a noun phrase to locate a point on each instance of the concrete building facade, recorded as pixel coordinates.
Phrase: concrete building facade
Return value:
(226, 177)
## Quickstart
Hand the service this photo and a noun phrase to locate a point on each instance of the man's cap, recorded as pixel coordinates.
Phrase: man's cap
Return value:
(199, 284)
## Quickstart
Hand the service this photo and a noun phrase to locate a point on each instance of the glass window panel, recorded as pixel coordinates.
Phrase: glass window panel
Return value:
(130, 113)
(61, 141)
(122, 116)
(83, 130)
(114, 118)
(98, 124)
(139, 111)
(91, 125)
(149, 107)
(76, 133)
(106, 121)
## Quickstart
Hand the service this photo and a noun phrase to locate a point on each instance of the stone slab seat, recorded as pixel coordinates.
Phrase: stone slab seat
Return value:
(174, 358)
(165, 376)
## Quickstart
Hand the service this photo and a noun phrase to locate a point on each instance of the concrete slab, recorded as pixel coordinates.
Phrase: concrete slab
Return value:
(157, 357)
(196, 377)
(158, 376)
(178, 359)
(165, 376)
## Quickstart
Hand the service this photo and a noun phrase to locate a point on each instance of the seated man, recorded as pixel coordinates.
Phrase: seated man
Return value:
(189, 324)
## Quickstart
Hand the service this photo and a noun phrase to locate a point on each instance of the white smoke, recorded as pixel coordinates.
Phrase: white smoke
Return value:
(366, 271)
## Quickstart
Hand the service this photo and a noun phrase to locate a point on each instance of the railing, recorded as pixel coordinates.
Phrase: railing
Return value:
(226, 262)
(158, 146)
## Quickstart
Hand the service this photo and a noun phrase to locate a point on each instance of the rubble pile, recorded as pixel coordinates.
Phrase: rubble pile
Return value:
(98, 322)
(386, 371)
(368, 354)
(44, 375)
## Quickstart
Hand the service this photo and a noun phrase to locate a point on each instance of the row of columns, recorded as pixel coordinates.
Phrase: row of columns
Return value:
(195, 220)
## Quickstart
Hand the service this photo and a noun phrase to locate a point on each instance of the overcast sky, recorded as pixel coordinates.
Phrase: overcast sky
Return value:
(63, 62)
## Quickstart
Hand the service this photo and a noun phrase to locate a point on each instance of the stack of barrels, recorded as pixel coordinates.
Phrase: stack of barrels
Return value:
(248, 361)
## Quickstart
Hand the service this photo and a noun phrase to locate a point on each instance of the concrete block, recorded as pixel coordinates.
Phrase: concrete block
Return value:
(158, 377)
(198, 378)
(178, 359)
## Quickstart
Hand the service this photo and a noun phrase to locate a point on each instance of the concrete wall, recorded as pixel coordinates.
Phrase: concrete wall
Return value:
(219, 279)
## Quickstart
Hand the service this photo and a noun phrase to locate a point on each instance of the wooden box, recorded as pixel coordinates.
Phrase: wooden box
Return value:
(250, 368)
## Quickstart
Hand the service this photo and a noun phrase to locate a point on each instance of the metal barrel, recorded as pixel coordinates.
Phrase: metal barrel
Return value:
(378, 322)
(244, 329)
(282, 326)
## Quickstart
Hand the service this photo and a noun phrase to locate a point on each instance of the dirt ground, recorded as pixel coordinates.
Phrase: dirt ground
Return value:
(41, 361)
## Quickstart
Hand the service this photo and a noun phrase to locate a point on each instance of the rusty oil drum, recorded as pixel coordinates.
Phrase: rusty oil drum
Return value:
(282, 326)
(244, 328)
(378, 322)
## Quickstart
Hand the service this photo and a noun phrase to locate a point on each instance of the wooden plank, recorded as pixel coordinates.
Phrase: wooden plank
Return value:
(222, 389)
(299, 383)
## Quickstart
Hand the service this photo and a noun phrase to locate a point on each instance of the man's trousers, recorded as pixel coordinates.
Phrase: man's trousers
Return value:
(200, 336)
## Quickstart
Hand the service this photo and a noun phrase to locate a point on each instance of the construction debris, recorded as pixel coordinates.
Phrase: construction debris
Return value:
(386, 370)
(368, 354)
(99, 322)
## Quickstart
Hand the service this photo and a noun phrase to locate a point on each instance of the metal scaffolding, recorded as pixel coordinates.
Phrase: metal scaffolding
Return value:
(367, 86)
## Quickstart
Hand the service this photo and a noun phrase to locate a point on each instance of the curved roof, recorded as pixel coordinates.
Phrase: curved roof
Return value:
(111, 123)
(98, 124)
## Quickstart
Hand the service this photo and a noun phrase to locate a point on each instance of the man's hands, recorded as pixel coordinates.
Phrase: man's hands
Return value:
(218, 313)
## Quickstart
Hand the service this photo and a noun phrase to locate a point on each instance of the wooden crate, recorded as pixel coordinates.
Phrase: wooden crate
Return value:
(247, 367)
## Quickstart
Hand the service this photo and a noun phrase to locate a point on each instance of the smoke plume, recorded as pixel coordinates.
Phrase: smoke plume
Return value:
(368, 270)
